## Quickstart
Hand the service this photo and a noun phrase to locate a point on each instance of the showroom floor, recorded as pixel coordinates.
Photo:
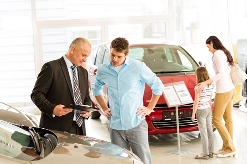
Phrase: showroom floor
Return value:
(165, 149)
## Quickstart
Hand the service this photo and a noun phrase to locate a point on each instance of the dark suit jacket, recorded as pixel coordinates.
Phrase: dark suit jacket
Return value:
(53, 87)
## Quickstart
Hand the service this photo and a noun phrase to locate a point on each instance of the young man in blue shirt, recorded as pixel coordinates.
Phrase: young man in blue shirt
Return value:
(125, 80)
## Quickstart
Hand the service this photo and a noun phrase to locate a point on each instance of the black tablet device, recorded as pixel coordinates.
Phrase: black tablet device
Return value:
(86, 108)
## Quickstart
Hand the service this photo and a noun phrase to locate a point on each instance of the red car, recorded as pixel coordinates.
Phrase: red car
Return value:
(171, 63)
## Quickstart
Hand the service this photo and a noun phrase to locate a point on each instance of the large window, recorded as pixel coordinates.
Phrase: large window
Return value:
(138, 31)
(34, 32)
(56, 41)
(80, 9)
(16, 51)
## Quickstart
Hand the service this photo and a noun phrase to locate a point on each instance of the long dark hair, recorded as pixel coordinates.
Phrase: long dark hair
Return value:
(219, 46)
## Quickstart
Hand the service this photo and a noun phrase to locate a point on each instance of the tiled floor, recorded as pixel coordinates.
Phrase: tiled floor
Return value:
(165, 149)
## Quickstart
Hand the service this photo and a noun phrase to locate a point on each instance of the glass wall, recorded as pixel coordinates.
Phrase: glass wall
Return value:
(37, 31)
(16, 51)
(56, 41)
(78, 9)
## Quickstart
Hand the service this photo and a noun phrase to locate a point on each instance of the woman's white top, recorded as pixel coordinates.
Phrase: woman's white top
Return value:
(222, 70)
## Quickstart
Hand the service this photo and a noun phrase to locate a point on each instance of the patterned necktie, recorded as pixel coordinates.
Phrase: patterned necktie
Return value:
(77, 95)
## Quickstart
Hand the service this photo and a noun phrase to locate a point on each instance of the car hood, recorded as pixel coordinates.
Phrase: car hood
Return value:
(80, 149)
(64, 148)
(188, 78)
(68, 148)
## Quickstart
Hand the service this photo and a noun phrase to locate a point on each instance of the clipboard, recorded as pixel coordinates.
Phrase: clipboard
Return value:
(176, 94)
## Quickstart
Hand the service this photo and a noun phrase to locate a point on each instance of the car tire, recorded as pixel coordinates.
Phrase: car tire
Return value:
(95, 115)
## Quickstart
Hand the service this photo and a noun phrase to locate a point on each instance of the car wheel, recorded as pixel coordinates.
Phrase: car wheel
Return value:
(95, 115)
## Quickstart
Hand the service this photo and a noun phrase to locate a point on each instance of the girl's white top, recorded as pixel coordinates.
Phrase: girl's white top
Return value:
(204, 97)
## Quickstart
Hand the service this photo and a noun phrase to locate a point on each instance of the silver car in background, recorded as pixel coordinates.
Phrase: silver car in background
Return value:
(22, 142)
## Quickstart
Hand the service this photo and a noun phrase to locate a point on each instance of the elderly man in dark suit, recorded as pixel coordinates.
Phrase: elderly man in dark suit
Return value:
(54, 90)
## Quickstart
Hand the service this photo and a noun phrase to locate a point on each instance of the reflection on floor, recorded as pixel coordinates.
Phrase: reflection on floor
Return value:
(165, 148)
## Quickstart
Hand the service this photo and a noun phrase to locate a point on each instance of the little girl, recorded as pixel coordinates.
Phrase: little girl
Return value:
(202, 110)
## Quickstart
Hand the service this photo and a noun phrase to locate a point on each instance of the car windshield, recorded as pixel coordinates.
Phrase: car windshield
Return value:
(7, 107)
(163, 58)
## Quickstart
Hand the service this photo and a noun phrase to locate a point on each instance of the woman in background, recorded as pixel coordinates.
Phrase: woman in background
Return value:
(225, 91)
